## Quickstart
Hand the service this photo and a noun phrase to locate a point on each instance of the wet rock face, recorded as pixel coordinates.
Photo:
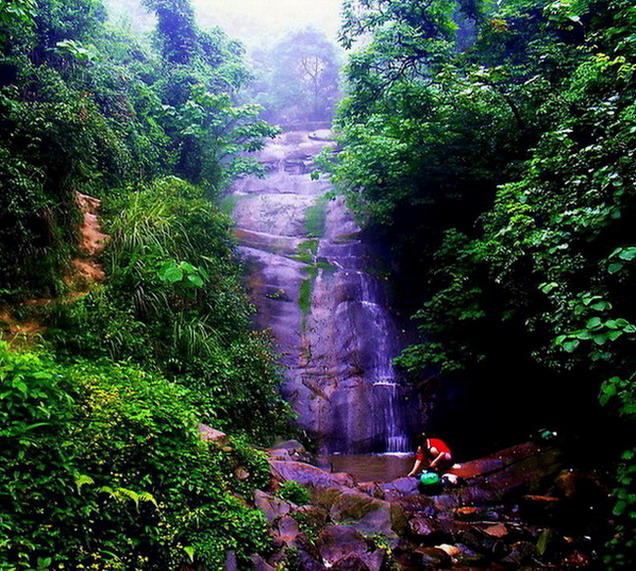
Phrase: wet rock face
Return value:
(309, 277)
(478, 522)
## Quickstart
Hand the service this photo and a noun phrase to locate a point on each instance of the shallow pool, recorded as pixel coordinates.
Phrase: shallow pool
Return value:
(369, 467)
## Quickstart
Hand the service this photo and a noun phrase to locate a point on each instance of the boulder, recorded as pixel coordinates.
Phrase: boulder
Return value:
(468, 556)
(480, 541)
(314, 516)
(425, 529)
(306, 474)
(287, 530)
(343, 543)
(585, 502)
(208, 434)
(417, 504)
(290, 445)
(364, 513)
(495, 461)
(230, 562)
(325, 497)
(452, 550)
(579, 486)
(539, 509)
(372, 489)
(282, 455)
(522, 476)
(271, 506)
(479, 513)
(290, 450)
(350, 563)
(468, 512)
(521, 553)
(499, 530)
(400, 487)
(259, 564)
(428, 557)
(307, 562)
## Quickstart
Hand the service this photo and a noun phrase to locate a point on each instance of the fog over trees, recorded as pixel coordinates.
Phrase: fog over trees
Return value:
(255, 22)
(291, 49)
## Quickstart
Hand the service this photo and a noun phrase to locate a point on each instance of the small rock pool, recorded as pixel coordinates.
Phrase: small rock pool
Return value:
(369, 467)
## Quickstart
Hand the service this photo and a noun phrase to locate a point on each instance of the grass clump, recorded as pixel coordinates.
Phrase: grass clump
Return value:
(293, 492)
(310, 245)
(315, 219)
(304, 295)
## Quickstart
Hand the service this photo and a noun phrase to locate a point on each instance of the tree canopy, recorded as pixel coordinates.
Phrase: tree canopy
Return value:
(102, 462)
(491, 146)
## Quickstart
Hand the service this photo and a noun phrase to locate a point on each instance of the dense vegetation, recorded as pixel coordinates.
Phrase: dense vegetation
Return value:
(488, 145)
(102, 464)
(491, 146)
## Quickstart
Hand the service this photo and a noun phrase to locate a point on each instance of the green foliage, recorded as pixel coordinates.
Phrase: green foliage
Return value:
(304, 295)
(293, 492)
(315, 218)
(85, 107)
(104, 468)
(491, 146)
(621, 547)
(14, 16)
(104, 465)
(176, 29)
(189, 318)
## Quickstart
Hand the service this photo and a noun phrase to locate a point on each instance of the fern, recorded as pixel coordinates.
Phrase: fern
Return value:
(82, 480)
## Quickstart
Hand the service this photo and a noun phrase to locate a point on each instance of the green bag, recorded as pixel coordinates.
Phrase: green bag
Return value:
(429, 478)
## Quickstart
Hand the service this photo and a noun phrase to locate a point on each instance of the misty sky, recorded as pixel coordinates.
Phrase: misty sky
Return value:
(254, 22)
(266, 20)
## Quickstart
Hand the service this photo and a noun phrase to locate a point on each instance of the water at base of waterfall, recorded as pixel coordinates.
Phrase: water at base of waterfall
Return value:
(370, 467)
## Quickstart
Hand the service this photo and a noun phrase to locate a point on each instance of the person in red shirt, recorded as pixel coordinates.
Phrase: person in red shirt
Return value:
(432, 454)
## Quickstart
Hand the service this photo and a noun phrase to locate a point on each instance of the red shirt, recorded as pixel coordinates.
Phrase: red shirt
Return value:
(436, 443)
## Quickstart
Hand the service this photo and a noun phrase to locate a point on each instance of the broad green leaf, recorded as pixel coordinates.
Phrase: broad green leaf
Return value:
(570, 346)
(600, 338)
(172, 274)
(619, 508)
(582, 334)
(82, 480)
(187, 267)
(548, 287)
(628, 254)
(195, 280)
(615, 267)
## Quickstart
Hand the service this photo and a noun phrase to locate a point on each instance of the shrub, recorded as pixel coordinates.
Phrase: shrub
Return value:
(293, 492)
(103, 466)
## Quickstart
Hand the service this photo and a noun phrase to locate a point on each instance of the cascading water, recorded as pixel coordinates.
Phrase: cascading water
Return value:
(328, 314)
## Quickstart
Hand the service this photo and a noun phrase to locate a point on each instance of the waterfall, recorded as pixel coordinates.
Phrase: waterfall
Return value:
(328, 314)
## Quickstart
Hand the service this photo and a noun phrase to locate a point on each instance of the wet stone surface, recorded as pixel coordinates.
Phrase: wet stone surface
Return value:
(353, 525)
(310, 278)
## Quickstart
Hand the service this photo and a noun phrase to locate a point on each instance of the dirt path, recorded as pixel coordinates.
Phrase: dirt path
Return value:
(20, 326)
